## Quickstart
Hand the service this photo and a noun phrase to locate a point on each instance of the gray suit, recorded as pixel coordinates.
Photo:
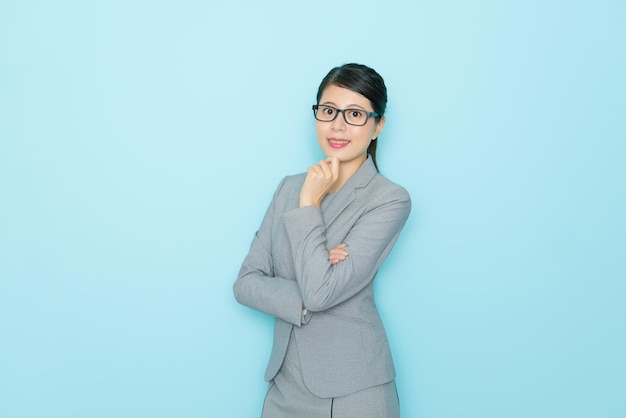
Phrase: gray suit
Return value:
(341, 341)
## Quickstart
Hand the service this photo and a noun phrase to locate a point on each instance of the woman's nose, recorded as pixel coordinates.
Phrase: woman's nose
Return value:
(339, 123)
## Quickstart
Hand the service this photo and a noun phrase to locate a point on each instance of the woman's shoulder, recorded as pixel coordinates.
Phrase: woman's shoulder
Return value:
(289, 185)
(292, 181)
(384, 187)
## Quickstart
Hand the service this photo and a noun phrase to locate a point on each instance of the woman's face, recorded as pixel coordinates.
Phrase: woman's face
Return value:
(339, 139)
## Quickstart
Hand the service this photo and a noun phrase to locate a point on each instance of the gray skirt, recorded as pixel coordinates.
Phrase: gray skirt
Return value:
(288, 397)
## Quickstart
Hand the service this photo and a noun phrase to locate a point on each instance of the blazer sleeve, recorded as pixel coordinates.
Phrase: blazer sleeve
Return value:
(257, 287)
(369, 242)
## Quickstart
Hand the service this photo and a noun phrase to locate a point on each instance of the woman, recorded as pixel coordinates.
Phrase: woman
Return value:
(312, 263)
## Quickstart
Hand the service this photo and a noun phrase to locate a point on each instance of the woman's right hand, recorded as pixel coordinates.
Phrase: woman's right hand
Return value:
(320, 179)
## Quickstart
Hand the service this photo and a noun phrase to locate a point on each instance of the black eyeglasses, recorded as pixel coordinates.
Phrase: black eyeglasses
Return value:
(356, 117)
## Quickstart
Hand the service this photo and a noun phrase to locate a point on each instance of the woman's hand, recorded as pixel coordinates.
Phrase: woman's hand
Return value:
(320, 179)
(337, 254)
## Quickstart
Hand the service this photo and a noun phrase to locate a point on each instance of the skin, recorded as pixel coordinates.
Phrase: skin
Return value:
(337, 254)
(345, 147)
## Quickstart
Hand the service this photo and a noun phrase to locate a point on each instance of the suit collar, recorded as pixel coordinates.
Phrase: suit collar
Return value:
(362, 176)
(335, 204)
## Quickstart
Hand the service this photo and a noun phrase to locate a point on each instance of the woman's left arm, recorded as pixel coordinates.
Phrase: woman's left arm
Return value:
(324, 284)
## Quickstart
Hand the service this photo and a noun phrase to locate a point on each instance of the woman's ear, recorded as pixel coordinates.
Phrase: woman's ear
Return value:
(379, 127)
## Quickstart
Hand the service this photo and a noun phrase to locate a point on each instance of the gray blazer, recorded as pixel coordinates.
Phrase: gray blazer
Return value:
(342, 344)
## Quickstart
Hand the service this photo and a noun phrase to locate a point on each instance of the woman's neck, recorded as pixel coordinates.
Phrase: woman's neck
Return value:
(347, 170)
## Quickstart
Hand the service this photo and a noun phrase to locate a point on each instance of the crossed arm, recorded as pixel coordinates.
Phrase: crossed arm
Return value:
(335, 256)
(324, 277)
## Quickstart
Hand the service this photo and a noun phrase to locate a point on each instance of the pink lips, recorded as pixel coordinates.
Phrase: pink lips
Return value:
(337, 142)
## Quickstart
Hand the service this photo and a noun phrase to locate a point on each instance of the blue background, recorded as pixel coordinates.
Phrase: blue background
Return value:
(141, 141)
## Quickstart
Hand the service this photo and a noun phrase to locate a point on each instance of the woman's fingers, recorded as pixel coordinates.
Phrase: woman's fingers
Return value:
(320, 178)
(333, 165)
(337, 254)
(324, 169)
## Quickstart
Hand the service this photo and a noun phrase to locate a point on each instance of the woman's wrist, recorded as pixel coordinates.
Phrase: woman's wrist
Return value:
(309, 202)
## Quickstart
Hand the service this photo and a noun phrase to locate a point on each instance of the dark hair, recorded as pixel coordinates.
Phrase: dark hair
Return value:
(363, 80)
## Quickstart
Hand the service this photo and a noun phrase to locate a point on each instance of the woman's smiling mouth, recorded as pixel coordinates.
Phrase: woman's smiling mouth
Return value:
(338, 142)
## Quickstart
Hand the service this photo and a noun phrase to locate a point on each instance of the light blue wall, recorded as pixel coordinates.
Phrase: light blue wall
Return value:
(140, 143)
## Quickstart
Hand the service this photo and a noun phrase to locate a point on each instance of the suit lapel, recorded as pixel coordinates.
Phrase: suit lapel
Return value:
(347, 194)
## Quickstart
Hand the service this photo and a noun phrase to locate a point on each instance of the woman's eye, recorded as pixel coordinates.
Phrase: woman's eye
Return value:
(356, 114)
(329, 110)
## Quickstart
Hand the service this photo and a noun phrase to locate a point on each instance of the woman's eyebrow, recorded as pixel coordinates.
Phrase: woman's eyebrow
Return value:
(350, 106)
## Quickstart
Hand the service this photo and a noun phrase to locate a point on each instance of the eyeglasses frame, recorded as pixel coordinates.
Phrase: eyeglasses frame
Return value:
(343, 112)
